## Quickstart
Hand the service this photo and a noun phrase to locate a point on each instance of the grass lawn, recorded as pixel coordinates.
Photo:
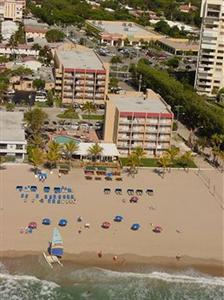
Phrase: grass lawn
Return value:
(68, 115)
(152, 162)
(93, 117)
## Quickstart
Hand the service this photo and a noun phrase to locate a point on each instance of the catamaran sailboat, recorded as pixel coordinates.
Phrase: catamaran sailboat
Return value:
(55, 250)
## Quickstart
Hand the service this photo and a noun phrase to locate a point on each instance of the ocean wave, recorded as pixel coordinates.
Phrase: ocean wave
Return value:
(100, 274)
(25, 287)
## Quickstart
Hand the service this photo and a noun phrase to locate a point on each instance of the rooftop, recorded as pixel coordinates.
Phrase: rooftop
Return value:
(109, 149)
(122, 28)
(181, 44)
(11, 129)
(138, 102)
(79, 59)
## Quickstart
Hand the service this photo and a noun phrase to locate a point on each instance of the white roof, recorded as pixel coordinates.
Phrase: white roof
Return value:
(11, 129)
(109, 149)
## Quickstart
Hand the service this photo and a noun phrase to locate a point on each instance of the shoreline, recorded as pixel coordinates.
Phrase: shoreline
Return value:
(126, 262)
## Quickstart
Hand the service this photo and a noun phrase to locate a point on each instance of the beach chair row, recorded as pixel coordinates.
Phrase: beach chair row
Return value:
(62, 201)
(100, 178)
(130, 192)
(59, 197)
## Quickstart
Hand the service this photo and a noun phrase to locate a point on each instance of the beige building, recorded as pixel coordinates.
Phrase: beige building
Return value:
(210, 68)
(116, 32)
(179, 47)
(80, 76)
(12, 9)
(134, 119)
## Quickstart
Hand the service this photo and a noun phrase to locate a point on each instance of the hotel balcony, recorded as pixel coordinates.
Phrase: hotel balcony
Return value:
(138, 137)
(123, 137)
(123, 129)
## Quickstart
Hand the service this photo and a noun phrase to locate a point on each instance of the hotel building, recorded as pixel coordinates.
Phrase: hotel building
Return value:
(210, 68)
(12, 9)
(80, 76)
(134, 119)
(12, 135)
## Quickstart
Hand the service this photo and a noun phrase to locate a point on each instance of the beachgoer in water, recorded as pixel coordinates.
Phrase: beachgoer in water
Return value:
(115, 257)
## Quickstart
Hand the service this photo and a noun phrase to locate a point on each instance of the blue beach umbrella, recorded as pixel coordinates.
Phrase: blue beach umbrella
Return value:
(135, 226)
(63, 222)
(46, 221)
(118, 219)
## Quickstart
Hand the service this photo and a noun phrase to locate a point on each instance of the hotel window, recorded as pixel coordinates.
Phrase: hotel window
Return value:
(19, 147)
(3, 146)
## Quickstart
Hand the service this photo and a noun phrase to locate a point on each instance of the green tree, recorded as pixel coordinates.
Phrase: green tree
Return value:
(36, 157)
(53, 154)
(133, 164)
(54, 36)
(10, 106)
(89, 108)
(113, 83)
(172, 153)
(186, 160)
(70, 148)
(164, 162)
(39, 84)
(173, 62)
(139, 153)
(35, 119)
(95, 150)
(116, 60)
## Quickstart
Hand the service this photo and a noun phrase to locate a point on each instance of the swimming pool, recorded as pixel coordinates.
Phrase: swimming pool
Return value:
(63, 139)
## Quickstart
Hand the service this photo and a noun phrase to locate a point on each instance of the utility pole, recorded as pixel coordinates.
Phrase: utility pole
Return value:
(140, 83)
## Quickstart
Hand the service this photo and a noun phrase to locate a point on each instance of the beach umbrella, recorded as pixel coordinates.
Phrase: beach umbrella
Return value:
(63, 222)
(46, 189)
(157, 229)
(135, 226)
(32, 225)
(106, 225)
(134, 199)
(46, 221)
(118, 219)
(33, 188)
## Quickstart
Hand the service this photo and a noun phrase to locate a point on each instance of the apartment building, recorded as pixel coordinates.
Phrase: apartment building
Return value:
(134, 119)
(80, 76)
(12, 135)
(12, 9)
(210, 68)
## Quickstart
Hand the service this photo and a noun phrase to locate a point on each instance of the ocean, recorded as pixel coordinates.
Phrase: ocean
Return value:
(32, 279)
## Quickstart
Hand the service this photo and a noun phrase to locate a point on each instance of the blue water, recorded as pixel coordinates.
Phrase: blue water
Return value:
(101, 284)
(63, 139)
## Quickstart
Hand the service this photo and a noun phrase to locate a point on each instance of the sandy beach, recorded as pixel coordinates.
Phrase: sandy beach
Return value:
(191, 218)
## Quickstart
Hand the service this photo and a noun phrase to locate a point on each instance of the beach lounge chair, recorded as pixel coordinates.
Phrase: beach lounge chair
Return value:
(26, 196)
(59, 197)
(69, 190)
(22, 196)
(54, 196)
(53, 201)
(72, 196)
(49, 200)
(64, 197)
(68, 197)
(149, 192)
(45, 196)
(37, 196)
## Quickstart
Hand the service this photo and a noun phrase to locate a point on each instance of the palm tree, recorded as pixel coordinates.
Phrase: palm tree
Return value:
(201, 144)
(89, 107)
(133, 163)
(95, 150)
(70, 148)
(186, 159)
(139, 153)
(164, 161)
(54, 153)
(2, 160)
(172, 153)
(36, 157)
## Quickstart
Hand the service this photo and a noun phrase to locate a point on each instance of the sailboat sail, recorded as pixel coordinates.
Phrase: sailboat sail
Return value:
(56, 244)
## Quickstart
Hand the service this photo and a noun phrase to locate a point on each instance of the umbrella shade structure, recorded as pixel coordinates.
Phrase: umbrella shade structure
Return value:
(135, 226)
(130, 191)
(139, 192)
(149, 192)
(33, 188)
(118, 219)
(32, 225)
(134, 199)
(107, 191)
(106, 225)
(46, 221)
(118, 191)
(57, 189)
(46, 189)
(63, 222)
(19, 188)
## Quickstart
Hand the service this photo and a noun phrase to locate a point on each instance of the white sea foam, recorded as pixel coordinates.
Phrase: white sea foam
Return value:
(21, 287)
(104, 275)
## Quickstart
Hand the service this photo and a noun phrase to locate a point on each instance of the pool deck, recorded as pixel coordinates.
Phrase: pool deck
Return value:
(81, 135)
